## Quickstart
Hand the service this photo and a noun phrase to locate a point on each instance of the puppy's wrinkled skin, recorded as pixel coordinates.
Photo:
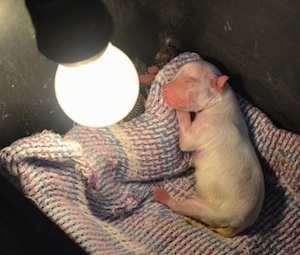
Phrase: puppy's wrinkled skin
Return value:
(229, 178)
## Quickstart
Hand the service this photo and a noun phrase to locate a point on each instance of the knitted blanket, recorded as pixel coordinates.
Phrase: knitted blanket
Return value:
(96, 183)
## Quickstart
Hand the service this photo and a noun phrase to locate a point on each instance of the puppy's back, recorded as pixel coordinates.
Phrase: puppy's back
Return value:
(231, 164)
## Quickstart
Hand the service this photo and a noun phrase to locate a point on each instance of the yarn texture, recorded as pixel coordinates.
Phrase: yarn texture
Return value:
(96, 183)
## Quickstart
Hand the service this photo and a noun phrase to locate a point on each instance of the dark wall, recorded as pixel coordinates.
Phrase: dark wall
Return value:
(255, 42)
(27, 101)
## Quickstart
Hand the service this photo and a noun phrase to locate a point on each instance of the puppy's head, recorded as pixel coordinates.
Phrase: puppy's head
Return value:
(195, 86)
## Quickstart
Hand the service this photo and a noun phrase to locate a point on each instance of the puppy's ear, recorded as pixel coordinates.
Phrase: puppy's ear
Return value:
(221, 82)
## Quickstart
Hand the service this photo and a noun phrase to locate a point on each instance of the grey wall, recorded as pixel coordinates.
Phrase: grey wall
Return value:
(27, 101)
(255, 42)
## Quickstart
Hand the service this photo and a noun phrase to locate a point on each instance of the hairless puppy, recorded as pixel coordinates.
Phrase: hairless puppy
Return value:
(229, 179)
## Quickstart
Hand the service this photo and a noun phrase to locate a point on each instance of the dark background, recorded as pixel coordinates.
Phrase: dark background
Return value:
(256, 42)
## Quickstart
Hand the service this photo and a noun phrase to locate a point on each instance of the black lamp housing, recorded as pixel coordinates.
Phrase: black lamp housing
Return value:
(69, 31)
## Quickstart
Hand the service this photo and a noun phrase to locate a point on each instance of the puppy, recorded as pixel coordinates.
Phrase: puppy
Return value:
(229, 179)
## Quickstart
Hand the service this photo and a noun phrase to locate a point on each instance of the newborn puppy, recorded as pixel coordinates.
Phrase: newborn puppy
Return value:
(229, 179)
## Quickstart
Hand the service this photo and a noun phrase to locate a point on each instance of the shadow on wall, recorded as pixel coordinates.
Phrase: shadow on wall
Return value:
(255, 42)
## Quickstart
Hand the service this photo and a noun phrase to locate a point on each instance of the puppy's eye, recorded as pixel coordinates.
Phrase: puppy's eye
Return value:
(192, 79)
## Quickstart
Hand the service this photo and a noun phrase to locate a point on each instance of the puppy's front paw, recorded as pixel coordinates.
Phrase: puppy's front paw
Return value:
(183, 116)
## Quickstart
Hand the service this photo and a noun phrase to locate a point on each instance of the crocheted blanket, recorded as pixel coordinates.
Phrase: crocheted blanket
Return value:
(96, 183)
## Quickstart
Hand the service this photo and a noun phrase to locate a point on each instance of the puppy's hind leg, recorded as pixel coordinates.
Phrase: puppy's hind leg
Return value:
(196, 208)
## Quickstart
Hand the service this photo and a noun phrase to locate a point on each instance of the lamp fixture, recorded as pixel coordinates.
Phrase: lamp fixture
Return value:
(96, 84)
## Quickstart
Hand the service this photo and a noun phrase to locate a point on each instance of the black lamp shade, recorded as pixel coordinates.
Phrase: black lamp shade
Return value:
(69, 31)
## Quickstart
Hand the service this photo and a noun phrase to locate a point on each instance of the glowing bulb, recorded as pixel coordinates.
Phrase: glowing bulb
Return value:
(99, 93)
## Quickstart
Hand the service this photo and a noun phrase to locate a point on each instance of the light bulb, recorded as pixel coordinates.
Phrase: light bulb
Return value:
(99, 93)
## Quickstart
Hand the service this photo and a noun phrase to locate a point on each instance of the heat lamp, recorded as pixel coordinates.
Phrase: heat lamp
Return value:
(96, 84)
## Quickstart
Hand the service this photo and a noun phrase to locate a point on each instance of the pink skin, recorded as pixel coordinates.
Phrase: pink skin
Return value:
(193, 207)
(227, 171)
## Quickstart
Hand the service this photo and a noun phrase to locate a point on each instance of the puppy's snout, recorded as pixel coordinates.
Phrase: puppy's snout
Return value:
(170, 95)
